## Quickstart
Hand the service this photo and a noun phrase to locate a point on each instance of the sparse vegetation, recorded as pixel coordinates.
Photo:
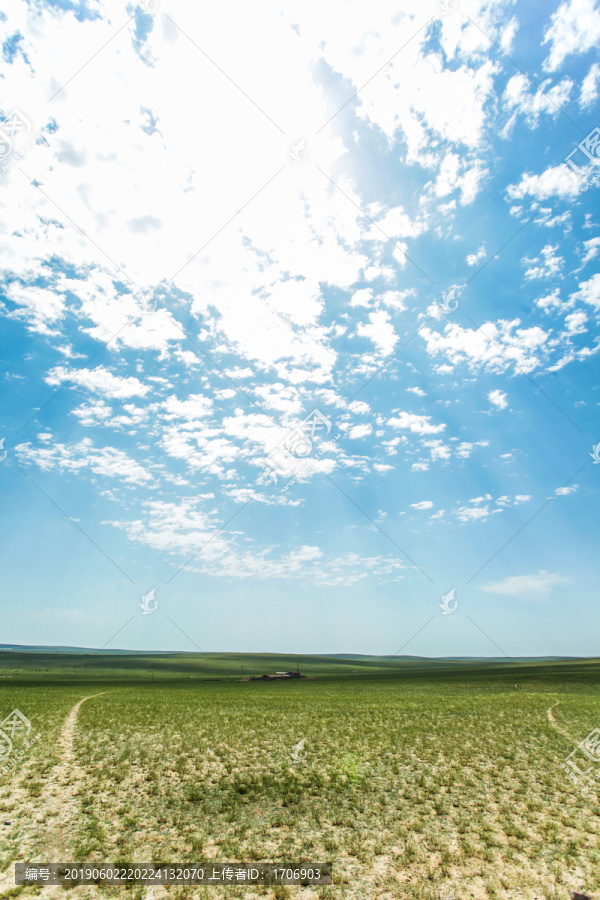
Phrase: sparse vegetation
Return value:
(411, 785)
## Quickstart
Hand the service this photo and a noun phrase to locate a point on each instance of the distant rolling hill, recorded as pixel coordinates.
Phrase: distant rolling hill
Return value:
(41, 648)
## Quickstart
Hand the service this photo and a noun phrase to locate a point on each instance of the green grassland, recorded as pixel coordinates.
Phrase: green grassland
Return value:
(421, 777)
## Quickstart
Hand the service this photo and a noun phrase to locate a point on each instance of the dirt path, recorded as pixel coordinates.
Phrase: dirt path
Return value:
(555, 724)
(551, 718)
(57, 807)
(67, 737)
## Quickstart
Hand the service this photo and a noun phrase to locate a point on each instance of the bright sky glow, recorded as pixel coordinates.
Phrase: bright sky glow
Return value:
(219, 219)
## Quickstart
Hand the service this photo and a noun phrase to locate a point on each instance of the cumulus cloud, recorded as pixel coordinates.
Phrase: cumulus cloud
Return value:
(415, 423)
(379, 330)
(589, 291)
(494, 347)
(473, 258)
(589, 86)
(498, 398)
(574, 28)
(99, 380)
(360, 431)
(547, 265)
(555, 181)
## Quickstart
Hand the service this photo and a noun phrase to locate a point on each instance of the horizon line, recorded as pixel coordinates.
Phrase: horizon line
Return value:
(66, 648)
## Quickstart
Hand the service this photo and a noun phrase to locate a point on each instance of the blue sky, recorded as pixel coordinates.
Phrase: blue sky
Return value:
(211, 233)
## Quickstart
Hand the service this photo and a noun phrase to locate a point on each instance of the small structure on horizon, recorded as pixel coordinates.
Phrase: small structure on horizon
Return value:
(277, 676)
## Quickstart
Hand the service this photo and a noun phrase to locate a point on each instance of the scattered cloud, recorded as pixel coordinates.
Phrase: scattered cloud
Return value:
(525, 587)
(498, 399)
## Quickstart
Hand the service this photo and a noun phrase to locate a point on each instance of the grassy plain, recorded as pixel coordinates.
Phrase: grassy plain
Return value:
(421, 778)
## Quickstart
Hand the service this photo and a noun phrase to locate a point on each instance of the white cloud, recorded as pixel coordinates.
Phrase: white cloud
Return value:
(575, 322)
(423, 97)
(498, 398)
(589, 291)
(549, 301)
(364, 297)
(416, 424)
(592, 248)
(182, 529)
(467, 513)
(94, 413)
(574, 28)
(100, 380)
(465, 448)
(565, 491)
(555, 181)
(197, 406)
(107, 461)
(437, 449)
(522, 97)
(455, 175)
(495, 347)
(39, 307)
(478, 508)
(397, 224)
(546, 266)
(238, 373)
(423, 504)
(589, 86)
(525, 586)
(380, 331)
(546, 218)
(255, 293)
(395, 299)
(359, 431)
(473, 258)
